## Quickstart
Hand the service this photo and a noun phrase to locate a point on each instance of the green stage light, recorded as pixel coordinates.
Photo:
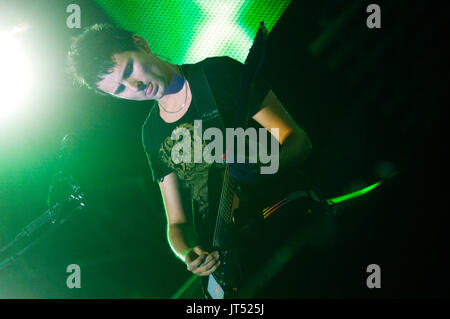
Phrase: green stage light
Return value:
(15, 81)
(188, 31)
(358, 193)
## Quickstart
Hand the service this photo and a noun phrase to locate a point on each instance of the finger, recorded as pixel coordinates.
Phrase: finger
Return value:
(205, 267)
(198, 250)
(210, 271)
(196, 263)
(209, 258)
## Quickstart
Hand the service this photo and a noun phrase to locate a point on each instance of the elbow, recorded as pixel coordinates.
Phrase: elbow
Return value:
(171, 226)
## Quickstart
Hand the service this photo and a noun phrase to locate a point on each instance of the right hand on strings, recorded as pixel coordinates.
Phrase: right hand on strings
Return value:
(202, 262)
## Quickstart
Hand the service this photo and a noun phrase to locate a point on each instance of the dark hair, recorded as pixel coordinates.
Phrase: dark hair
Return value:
(91, 53)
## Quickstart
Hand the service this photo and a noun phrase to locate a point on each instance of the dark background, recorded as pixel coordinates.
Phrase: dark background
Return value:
(372, 100)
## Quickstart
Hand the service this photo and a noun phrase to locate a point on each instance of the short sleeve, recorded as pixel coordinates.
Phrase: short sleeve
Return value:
(158, 169)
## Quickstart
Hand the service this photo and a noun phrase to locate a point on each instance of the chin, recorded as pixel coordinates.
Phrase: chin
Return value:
(158, 96)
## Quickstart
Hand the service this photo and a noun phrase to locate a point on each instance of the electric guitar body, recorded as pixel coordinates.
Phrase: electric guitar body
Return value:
(233, 227)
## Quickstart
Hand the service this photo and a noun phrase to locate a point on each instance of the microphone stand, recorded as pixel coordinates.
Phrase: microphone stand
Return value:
(58, 213)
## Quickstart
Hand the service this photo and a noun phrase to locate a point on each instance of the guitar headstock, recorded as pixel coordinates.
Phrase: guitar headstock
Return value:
(262, 28)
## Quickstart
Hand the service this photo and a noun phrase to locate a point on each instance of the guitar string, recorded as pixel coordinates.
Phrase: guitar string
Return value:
(229, 199)
(290, 196)
(224, 212)
(282, 203)
(218, 220)
(224, 204)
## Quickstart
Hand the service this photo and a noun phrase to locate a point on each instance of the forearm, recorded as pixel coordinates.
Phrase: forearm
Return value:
(181, 238)
(295, 143)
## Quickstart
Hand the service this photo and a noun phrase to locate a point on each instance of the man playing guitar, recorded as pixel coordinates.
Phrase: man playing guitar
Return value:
(118, 63)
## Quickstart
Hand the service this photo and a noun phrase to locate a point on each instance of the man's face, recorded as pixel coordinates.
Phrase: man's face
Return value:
(138, 75)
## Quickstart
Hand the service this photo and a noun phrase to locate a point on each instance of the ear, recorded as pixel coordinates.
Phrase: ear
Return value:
(141, 43)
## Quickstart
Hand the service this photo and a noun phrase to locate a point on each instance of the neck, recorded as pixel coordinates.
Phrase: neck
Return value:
(176, 90)
(170, 106)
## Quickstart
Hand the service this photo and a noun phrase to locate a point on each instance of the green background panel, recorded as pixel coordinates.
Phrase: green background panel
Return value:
(188, 31)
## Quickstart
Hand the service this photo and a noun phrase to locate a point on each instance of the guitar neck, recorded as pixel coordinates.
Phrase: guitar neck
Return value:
(224, 214)
(252, 64)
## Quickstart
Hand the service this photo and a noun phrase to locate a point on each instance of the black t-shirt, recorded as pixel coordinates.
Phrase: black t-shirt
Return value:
(223, 75)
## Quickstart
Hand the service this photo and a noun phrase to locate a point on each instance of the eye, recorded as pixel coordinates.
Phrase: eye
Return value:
(120, 89)
(128, 70)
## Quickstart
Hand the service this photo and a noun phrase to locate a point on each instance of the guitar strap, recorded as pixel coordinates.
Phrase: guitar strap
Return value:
(205, 107)
(203, 97)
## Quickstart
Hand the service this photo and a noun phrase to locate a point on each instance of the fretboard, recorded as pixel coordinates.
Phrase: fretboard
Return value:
(225, 208)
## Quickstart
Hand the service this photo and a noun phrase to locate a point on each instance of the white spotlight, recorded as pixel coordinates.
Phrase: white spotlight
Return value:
(15, 79)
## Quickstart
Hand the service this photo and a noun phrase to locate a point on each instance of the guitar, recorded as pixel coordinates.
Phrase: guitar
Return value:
(238, 215)
(223, 283)
(223, 190)
(237, 210)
